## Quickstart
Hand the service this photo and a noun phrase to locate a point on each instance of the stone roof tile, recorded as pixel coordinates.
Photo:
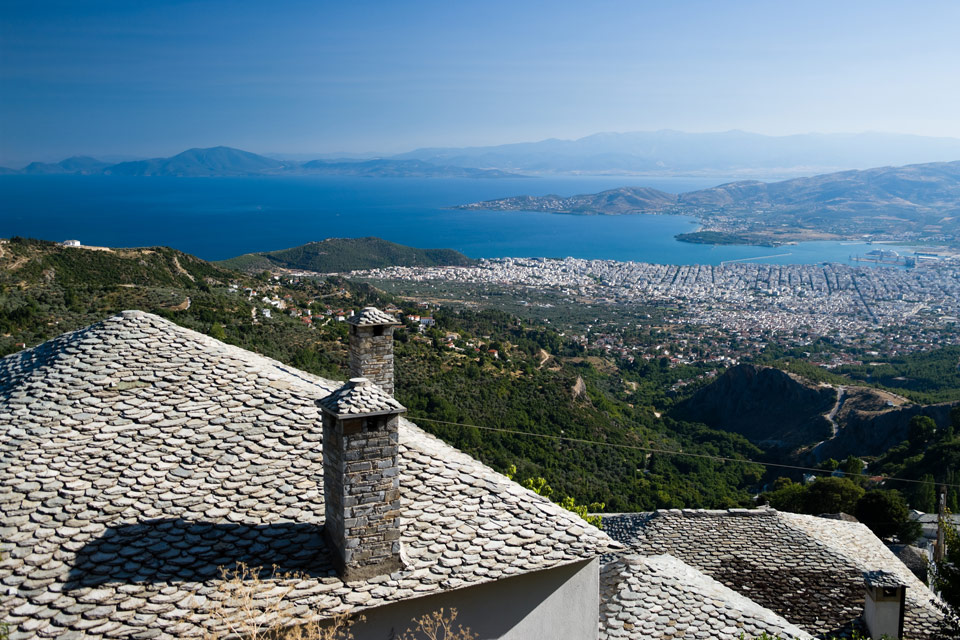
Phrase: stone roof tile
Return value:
(660, 597)
(138, 459)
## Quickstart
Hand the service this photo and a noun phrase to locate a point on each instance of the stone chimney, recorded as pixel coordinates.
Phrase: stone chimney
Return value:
(361, 481)
(371, 347)
(885, 604)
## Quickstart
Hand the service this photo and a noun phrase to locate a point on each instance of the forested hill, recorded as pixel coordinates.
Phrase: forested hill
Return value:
(335, 255)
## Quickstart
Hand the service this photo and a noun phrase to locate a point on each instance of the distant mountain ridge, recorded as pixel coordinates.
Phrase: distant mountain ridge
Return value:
(722, 153)
(346, 254)
(664, 152)
(916, 201)
(227, 161)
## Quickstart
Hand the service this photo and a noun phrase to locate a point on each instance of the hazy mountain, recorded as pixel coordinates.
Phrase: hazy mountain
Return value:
(728, 152)
(912, 190)
(216, 161)
(226, 161)
(346, 254)
(76, 164)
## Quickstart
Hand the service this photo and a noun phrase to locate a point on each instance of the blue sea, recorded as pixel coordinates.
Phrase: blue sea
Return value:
(217, 218)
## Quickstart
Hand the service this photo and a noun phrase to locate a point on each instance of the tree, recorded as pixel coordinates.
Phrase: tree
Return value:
(852, 466)
(829, 464)
(217, 331)
(885, 512)
(781, 483)
(925, 498)
(946, 579)
(831, 495)
(922, 430)
(787, 497)
(954, 420)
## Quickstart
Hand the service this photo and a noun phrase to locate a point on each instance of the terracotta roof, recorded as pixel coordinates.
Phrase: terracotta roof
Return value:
(138, 457)
(807, 569)
(371, 316)
(660, 597)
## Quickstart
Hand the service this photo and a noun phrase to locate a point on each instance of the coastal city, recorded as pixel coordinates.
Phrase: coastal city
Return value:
(846, 303)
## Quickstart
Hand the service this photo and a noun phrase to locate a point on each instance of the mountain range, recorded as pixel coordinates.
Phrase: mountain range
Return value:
(226, 161)
(917, 201)
(723, 153)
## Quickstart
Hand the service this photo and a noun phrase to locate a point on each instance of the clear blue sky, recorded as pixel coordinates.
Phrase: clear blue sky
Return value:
(153, 78)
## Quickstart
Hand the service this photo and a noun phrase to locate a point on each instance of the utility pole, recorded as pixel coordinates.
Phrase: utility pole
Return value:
(940, 549)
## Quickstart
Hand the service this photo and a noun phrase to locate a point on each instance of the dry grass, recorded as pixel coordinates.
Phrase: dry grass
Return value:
(438, 626)
(257, 608)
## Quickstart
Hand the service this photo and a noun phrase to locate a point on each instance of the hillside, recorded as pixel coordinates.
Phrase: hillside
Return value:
(335, 255)
(916, 201)
(46, 289)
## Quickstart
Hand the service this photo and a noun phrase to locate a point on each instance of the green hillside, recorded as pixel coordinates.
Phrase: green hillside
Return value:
(335, 255)
(483, 368)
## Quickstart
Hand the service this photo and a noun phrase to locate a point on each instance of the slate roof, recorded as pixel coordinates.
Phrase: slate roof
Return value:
(662, 598)
(807, 569)
(360, 396)
(138, 457)
(371, 316)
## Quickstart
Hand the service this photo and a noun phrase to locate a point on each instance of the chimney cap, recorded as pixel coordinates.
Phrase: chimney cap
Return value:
(371, 316)
(882, 579)
(360, 397)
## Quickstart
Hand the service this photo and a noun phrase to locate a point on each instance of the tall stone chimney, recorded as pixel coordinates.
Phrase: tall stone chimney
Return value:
(371, 347)
(885, 605)
(361, 481)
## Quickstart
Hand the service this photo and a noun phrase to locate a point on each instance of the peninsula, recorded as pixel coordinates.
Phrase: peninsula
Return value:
(918, 203)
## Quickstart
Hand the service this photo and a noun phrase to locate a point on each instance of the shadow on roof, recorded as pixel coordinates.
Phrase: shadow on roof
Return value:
(173, 549)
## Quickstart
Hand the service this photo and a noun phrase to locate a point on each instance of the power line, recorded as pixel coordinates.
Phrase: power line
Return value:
(635, 447)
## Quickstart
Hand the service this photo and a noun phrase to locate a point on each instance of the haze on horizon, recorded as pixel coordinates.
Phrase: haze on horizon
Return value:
(116, 78)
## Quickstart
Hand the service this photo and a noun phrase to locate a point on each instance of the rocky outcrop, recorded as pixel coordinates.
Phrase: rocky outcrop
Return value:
(779, 411)
(771, 408)
(870, 433)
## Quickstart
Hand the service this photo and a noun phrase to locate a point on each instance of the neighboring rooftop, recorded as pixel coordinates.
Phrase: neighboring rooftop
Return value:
(137, 458)
(660, 597)
(807, 569)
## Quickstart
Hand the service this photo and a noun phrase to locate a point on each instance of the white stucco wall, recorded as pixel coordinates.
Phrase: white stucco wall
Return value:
(556, 604)
(882, 617)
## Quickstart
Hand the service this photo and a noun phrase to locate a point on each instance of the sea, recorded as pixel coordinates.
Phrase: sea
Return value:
(218, 218)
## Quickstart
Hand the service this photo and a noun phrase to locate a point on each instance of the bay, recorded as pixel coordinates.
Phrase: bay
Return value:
(217, 218)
